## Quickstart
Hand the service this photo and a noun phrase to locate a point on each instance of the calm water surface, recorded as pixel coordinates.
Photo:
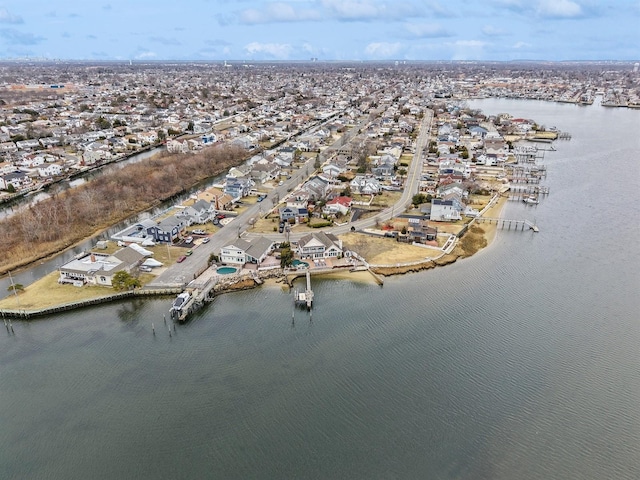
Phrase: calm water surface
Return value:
(521, 362)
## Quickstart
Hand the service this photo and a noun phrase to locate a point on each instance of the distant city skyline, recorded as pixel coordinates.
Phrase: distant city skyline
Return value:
(249, 30)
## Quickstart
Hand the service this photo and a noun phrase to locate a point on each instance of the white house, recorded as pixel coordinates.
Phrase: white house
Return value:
(50, 170)
(200, 212)
(445, 210)
(242, 251)
(99, 268)
(319, 245)
(365, 185)
(337, 205)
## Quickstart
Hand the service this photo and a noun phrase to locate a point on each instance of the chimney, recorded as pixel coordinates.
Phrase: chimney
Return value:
(93, 258)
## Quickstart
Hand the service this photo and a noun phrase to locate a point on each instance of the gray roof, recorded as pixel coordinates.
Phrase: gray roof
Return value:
(327, 239)
(129, 256)
(259, 247)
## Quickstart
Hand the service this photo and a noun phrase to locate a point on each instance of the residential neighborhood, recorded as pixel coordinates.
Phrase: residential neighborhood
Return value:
(323, 154)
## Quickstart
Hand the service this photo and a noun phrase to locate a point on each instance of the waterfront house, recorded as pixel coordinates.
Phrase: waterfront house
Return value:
(99, 268)
(243, 251)
(200, 212)
(238, 187)
(319, 245)
(16, 179)
(446, 210)
(419, 231)
(167, 230)
(50, 169)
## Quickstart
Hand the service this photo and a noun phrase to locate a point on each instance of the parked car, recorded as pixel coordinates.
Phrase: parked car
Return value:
(144, 268)
(189, 253)
(188, 240)
(181, 259)
(206, 240)
(199, 231)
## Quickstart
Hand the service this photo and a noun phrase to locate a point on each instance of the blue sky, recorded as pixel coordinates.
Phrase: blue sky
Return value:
(326, 29)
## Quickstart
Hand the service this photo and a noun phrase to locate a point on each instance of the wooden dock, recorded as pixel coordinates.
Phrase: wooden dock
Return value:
(200, 294)
(529, 189)
(306, 297)
(503, 223)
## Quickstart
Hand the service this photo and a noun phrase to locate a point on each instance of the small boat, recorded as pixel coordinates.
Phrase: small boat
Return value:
(180, 301)
(531, 200)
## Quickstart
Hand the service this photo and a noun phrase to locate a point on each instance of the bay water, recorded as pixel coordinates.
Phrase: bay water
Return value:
(522, 361)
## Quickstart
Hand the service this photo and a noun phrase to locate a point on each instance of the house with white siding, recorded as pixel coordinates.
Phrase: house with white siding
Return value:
(99, 268)
(243, 251)
(319, 245)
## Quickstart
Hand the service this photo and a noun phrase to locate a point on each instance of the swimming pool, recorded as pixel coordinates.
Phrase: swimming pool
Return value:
(226, 270)
(299, 264)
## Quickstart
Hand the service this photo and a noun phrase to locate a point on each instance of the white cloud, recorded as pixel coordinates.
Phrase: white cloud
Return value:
(366, 10)
(8, 17)
(146, 54)
(558, 9)
(519, 45)
(382, 49)
(274, 50)
(491, 31)
(424, 30)
(278, 12)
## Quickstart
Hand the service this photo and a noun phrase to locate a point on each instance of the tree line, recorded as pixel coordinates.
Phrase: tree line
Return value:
(68, 217)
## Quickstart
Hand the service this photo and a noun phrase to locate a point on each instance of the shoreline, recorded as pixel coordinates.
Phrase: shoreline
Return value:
(247, 281)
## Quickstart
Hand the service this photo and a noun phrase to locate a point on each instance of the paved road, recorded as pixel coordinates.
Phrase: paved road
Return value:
(180, 274)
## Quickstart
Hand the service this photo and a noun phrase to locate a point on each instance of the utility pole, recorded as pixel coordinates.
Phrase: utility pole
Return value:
(13, 287)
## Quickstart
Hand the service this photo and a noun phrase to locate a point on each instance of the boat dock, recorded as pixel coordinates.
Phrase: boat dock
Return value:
(193, 299)
(306, 297)
(507, 223)
(522, 191)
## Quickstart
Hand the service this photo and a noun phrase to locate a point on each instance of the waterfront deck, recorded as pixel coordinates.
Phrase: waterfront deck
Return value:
(306, 297)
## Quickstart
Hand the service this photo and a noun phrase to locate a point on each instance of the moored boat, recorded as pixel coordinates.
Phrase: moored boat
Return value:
(180, 301)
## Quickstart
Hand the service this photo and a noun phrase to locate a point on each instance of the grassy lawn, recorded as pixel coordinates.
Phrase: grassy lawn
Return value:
(386, 199)
(479, 201)
(47, 292)
(385, 251)
(265, 225)
(167, 256)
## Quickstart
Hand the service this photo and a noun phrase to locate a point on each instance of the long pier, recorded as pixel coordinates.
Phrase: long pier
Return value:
(508, 223)
(305, 297)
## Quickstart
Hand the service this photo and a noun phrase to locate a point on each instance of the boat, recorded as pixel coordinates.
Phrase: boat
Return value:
(180, 301)
(531, 200)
